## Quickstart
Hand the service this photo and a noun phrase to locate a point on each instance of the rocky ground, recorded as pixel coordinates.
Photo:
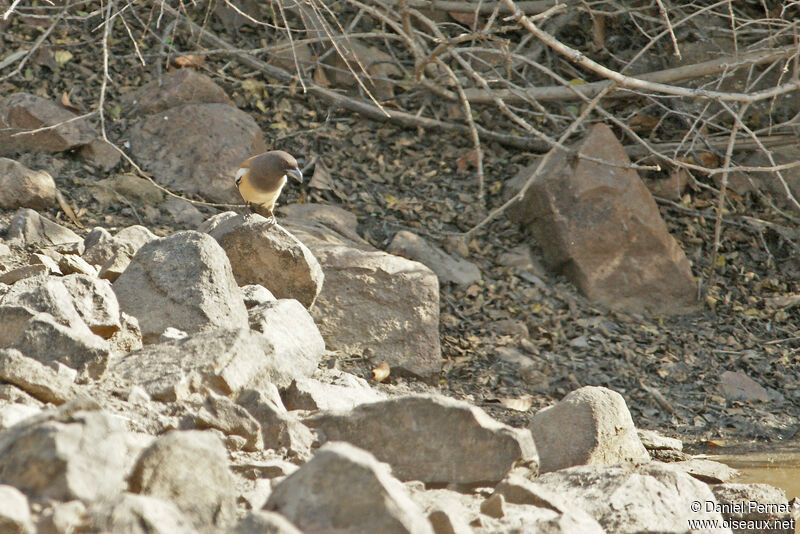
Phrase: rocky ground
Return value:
(157, 330)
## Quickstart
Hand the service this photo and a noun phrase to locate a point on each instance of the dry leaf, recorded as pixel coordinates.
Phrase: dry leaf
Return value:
(67, 209)
(470, 159)
(321, 78)
(67, 103)
(62, 56)
(322, 177)
(381, 373)
(599, 31)
(191, 61)
(467, 19)
(707, 159)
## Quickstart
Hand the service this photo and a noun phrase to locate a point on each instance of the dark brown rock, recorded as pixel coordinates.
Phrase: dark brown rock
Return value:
(177, 88)
(599, 225)
(24, 111)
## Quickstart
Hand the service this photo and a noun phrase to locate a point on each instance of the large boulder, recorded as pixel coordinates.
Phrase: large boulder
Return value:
(599, 225)
(29, 228)
(184, 281)
(197, 148)
(266, 254)
(600, 431)
(176, 88)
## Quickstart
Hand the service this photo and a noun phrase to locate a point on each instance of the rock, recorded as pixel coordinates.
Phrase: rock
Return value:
(313, 500)
(15, 516)
(628, 498)
(706, 471)
(63, 518)
(255, 294)
(47, 261)
(292, 332)
(231, 419)
(140, 514)
(176, 88)
(40, 381)
(264, 253)
(72, 264)
(279, 429)
(11, 414)
(13, 320)
(29, 228)
(380, 305)
(183, 212)
(21, 273)
(224, 361)
(184, 281)
(493, 506)
(378, 65)
(654, 441)
(46, 340)
(600, 431)
(190, 469)
(95, 302)
(330, 389)
(600, 226)
(258, 522)
(136, 190)
(74, 452)
(754, 502)
(23, 111)
(739, 386)
(21, 187)
(47, 295)
(101, 247)
(449, 269)
(196, 148)
(309, 217)
(410, 433)
(101, 154)
(129, 337)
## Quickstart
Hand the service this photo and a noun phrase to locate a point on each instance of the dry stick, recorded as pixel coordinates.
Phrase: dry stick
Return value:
(637, 151)
(542, 164)
(723, 187)
(698, 70)
(457, 6)
(664, 14)
(629, 82)
(368, 110)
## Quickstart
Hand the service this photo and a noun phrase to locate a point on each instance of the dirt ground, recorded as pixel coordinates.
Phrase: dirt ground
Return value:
(667, 368)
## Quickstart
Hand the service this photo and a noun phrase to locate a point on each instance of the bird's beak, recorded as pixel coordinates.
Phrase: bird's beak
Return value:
(297, 174)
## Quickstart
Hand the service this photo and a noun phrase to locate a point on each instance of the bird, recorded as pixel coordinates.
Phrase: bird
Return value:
(260, 180)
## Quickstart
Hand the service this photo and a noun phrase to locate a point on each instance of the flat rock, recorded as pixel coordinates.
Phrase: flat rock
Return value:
(600, 431)
(656, 442)
(312, 498)
(21, 187)
(176, 88)
(266, 254)
(738, 386)
(196, 148)
(96, 303)
(129, 513)
(74, 452)
(15, 515)
(410, 433)
(630, 498)
(225, 361)
(37, 379)
(21, 273)
(189, 469)
(448, 268)
(23, 111)
(184, 281)
(29, 228)
(329, 389)
(600, 226)
(260, 522)
(707, 471)
(331, 219)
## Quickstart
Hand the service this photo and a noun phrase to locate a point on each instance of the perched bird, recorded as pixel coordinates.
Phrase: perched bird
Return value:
(261, 178)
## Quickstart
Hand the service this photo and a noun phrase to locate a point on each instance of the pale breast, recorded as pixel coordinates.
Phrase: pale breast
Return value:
(261, 198)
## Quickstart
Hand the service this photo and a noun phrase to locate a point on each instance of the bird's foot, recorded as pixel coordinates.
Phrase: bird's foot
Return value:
(271, 220)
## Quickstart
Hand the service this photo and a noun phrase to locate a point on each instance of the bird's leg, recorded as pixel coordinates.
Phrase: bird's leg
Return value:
(247, 212)
(271, 219)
